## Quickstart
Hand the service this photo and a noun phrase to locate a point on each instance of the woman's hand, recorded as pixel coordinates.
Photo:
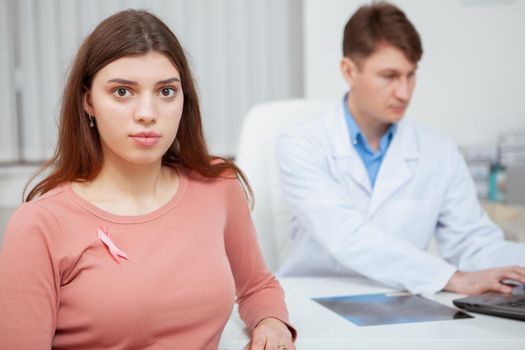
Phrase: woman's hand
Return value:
(271, 334)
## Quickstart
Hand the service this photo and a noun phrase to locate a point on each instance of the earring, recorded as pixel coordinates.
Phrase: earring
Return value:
(91, 121)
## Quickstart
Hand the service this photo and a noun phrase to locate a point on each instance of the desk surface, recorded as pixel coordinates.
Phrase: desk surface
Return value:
(320, 328)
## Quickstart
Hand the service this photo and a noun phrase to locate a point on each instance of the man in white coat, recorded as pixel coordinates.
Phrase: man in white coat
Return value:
(368, 189)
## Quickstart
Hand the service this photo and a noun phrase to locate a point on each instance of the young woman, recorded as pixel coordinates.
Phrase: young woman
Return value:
(137, 238)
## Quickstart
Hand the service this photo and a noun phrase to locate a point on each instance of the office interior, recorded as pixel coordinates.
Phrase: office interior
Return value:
(469, 81)
(247, 53)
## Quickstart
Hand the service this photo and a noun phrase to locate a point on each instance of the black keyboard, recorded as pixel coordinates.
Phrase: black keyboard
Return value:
(519, 303)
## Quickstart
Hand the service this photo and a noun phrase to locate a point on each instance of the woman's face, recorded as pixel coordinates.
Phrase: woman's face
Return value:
(137, 104)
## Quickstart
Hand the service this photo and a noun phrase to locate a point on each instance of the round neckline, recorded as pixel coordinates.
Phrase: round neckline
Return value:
(131, 219)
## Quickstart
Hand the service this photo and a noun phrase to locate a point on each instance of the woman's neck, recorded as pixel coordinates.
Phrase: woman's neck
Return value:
(129, 189)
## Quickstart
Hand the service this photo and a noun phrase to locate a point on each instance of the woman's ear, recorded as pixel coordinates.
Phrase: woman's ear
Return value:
(88, 106)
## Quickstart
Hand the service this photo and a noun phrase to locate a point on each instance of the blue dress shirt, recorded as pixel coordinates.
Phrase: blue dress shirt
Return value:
(371, 159)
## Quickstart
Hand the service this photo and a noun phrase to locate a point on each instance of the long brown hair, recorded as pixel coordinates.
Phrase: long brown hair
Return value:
(78, 154)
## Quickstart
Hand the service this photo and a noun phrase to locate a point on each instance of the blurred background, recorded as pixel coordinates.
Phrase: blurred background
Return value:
(246, 52)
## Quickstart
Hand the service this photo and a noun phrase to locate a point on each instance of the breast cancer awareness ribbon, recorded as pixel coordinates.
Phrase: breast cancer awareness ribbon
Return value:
(115, 252)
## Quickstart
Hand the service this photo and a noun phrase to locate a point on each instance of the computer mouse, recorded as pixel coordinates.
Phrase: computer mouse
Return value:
(512, 283)
(518, 288)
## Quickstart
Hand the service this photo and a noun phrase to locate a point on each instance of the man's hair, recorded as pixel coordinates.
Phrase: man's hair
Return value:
(380, 23)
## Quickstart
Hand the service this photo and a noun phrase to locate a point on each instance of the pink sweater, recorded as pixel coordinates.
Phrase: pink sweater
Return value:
(61, 288)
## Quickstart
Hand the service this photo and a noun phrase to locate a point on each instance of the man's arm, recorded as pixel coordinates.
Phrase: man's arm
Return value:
(468, 239)
(489, 280)
(327, 211)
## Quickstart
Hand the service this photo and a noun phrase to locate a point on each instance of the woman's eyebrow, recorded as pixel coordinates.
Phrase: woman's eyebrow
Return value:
(168, 81)
(123, 81)
(130, 82)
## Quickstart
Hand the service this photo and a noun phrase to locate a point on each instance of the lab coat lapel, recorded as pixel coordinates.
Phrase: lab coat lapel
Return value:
(344, 154)
(396, 169)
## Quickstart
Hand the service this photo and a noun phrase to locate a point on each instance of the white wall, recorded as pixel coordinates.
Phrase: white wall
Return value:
(12, 183)
(471, 78)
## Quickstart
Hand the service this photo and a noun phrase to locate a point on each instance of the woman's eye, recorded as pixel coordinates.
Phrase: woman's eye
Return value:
(167, 92)
(121, 92)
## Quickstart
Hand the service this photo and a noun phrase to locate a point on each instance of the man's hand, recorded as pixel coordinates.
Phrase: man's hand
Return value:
(485, 280)
(271, 334)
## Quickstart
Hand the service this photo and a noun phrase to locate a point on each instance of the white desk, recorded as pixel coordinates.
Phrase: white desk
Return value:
(320, 328)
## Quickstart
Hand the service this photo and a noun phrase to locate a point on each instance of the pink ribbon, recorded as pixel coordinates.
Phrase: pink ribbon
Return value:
(105, 237)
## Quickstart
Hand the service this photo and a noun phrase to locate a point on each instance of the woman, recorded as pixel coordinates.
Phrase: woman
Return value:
(137, 238)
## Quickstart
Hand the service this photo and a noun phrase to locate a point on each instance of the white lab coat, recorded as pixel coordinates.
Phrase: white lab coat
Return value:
(341, 226)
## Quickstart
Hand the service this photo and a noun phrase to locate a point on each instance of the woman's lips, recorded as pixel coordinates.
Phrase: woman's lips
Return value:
(145, 141)
(145, 138)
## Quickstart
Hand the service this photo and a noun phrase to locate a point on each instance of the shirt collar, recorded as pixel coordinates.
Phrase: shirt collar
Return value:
(356, 136)
(353, 128)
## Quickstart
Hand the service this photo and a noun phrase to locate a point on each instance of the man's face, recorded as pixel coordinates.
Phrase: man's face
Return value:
(381, 85)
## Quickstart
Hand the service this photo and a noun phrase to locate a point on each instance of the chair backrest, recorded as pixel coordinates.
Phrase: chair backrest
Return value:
(256, 157)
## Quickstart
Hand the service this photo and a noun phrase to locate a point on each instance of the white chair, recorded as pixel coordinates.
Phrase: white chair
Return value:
(256, 157)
